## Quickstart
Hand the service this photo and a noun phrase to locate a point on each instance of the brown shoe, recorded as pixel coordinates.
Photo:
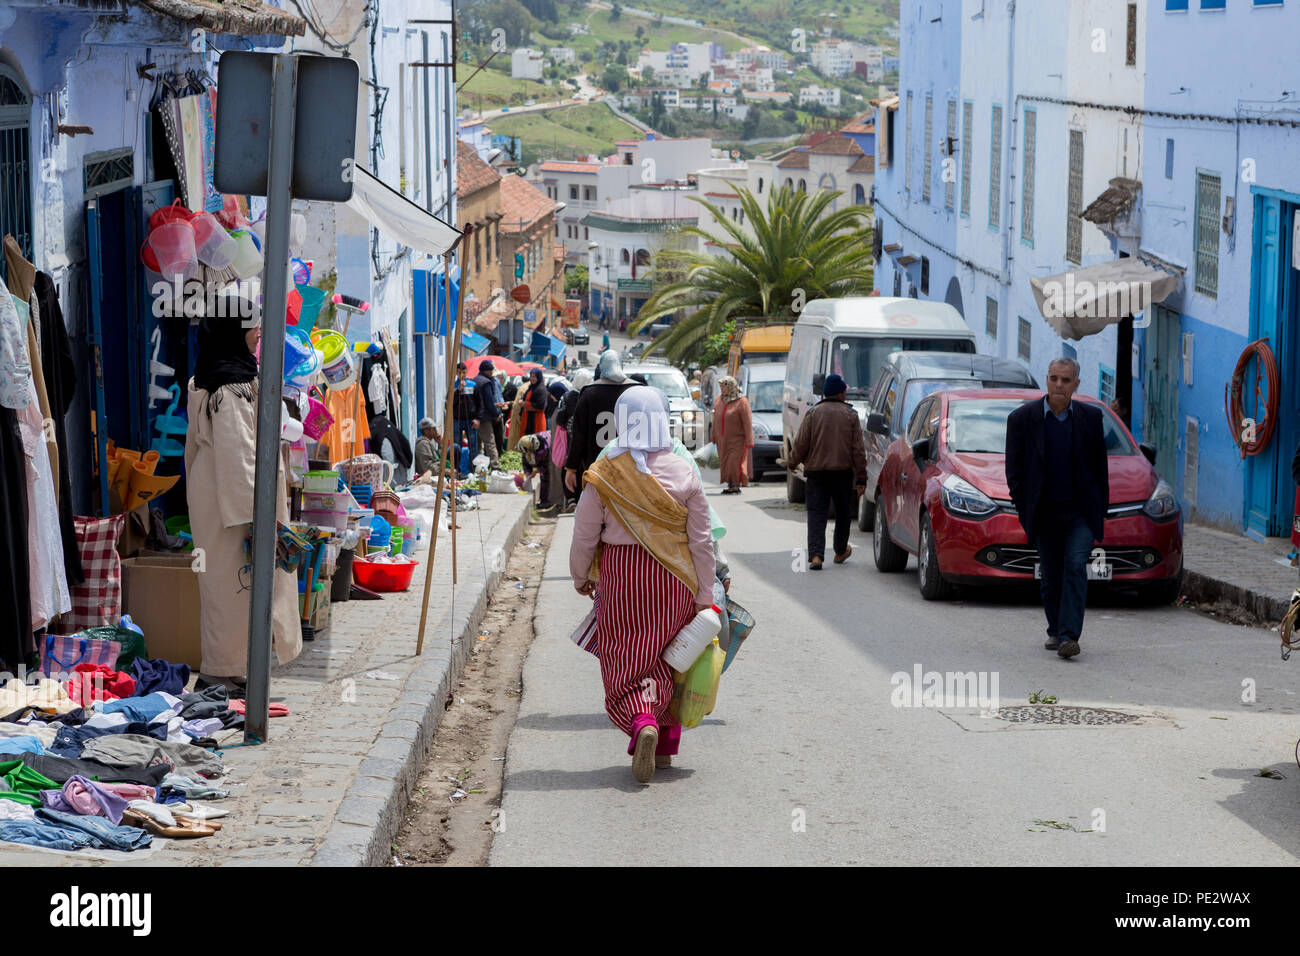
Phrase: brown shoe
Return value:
(841, 558)
(815, 564)
(643, 757)
(663, 760)
(1068, 649)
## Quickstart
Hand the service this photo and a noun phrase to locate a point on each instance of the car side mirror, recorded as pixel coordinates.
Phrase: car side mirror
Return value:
(1149, 450)
(819, 380)
(921, 449)
(876, 424)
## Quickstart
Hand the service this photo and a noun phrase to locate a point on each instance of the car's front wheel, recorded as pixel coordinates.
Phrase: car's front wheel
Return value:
(1164, 592)
(795, 492)
(928, 576)
(889, 556)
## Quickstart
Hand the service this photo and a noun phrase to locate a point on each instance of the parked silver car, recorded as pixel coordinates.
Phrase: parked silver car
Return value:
(684, 413)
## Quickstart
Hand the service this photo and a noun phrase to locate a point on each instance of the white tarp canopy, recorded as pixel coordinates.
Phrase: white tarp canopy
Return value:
(397, 217)
(1084, 301)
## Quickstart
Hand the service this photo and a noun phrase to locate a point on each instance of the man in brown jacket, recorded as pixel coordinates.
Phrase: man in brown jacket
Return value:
(830, 447)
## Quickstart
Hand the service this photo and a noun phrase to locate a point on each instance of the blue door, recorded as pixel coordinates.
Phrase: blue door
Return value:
(1270, 490)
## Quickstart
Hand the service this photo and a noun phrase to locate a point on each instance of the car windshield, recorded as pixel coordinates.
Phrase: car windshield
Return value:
(917, 389)
(980, 426)
(672, 384)
(858, 358)
(765, 396)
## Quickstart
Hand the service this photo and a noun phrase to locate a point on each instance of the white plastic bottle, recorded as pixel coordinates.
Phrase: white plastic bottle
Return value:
(684, 649)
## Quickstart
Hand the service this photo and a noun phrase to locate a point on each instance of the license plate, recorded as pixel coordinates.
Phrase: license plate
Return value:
(1096, 572)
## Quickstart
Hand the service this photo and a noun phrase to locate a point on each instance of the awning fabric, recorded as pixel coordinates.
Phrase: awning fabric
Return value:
(231, 18)
(397, 217)
(474, 342)
(557, 347)
(1084, 301)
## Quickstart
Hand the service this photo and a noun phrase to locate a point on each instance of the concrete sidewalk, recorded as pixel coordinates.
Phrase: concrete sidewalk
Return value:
(1256, 576)
(330, 786)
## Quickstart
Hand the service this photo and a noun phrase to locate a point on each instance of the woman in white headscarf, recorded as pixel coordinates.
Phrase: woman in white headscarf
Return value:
(642, 530)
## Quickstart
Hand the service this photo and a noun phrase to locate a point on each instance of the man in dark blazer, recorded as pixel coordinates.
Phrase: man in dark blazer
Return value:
(1060, 485)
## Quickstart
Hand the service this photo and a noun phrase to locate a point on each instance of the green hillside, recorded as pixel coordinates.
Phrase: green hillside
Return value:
(566, 133)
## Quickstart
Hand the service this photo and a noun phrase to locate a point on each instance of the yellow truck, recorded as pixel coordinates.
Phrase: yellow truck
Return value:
(759, 340)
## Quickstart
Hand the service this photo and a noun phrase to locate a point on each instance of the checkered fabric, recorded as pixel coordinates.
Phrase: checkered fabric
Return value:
(99, 600)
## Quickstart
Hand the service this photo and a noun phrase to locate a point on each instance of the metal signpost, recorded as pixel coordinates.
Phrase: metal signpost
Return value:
(285, 127)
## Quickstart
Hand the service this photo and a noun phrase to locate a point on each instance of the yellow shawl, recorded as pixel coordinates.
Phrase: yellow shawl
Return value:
(652, 516)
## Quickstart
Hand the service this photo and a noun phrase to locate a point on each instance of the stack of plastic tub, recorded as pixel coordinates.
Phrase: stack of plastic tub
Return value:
(326, 509)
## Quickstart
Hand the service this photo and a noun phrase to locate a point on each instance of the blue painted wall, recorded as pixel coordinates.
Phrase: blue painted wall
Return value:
(1253, 50)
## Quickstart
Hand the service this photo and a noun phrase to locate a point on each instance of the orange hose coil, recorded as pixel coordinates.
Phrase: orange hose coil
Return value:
(1266, 368)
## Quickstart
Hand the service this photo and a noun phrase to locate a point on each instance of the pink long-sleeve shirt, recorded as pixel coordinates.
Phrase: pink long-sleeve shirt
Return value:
(594, 523)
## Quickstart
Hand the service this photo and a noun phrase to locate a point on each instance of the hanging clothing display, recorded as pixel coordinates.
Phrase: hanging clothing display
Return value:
(346, 405)
(60, 373)
(17, 643)
(220, 462)
(47, 580)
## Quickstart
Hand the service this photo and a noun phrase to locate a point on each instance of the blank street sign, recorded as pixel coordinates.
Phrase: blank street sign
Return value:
(325, 128)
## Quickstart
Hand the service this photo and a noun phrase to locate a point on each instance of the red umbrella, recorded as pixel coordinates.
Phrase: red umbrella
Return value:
(499, 362)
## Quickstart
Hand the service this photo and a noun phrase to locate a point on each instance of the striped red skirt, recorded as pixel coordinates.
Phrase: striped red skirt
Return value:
(642, 607)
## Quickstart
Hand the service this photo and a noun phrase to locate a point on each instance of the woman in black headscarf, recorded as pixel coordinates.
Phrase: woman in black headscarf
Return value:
(220, 467)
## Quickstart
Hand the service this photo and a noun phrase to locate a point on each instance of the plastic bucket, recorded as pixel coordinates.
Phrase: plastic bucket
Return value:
(312, 300)
(298, 353)
(338, 367)
(248, 260)
(173, 246)
(212, 243)
(317, 421)
(383, 577)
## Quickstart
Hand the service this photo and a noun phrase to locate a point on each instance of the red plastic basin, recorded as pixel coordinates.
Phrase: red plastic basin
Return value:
(383, 577)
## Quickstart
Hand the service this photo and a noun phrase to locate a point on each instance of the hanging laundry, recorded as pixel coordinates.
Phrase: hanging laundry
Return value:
(346, 440)
(17, 644)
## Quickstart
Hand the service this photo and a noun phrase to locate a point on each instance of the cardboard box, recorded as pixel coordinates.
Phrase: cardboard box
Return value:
(161, 593)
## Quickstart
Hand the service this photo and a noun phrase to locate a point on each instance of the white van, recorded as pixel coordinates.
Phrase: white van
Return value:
(850, 337)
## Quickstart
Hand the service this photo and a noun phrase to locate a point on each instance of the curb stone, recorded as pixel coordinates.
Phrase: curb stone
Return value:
(388, 770)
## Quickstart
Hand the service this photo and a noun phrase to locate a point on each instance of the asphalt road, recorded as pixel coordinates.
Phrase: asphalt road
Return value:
(806, 759)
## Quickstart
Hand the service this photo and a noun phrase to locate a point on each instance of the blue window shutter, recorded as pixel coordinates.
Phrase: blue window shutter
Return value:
(1172, 5)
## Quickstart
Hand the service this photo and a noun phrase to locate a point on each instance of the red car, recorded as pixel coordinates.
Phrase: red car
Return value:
(942, 495)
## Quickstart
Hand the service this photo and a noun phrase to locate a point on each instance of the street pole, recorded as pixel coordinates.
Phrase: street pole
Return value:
(266, 486)
(453, 343)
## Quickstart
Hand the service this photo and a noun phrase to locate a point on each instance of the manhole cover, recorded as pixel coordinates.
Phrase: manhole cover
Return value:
(1034, 714)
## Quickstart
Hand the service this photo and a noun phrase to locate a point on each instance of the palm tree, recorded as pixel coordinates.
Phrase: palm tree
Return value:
(797, 245)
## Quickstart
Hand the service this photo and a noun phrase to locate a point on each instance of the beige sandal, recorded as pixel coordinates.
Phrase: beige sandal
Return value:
(184, 829)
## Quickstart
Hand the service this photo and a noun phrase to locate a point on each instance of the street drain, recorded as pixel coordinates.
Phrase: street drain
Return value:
(1093, 716)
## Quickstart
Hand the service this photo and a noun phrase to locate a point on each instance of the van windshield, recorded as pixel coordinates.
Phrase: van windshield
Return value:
(859, 358)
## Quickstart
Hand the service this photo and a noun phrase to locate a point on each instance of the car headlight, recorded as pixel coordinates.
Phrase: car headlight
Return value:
(760, 430)
(961, 497)
(688, 416)
(1162, 504)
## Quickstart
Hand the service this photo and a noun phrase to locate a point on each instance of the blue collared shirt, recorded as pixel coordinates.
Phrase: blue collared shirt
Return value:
(1060, 417)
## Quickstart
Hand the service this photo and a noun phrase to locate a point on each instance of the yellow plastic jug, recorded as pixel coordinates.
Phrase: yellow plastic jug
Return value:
(696, 691)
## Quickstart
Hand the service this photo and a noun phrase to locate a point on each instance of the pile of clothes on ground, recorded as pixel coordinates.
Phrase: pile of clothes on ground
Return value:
(107, 760)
